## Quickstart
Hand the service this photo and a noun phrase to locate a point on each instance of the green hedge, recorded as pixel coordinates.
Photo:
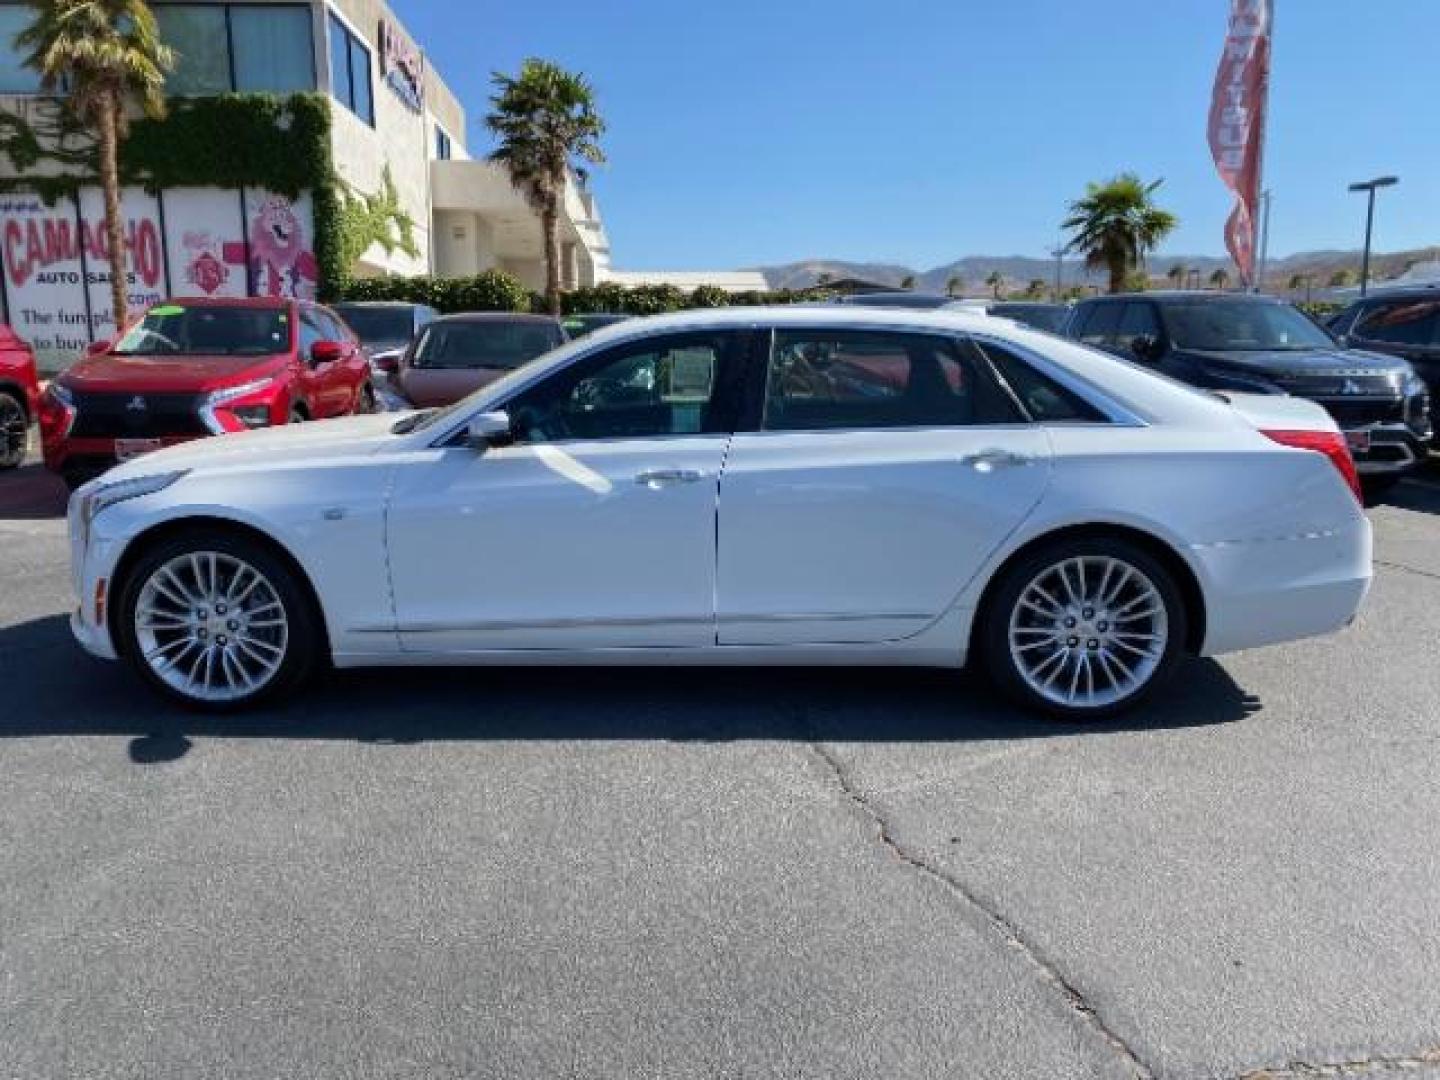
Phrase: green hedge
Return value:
(496, 290)
(493, 290)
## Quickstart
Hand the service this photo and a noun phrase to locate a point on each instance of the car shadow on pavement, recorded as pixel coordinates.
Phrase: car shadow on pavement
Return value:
(31, 493)
(55, 690)
(1422, 496)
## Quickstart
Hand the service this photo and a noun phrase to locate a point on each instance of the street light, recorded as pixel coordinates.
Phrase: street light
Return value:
(1370, 187)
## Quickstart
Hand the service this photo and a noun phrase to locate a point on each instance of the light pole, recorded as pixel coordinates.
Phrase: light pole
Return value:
(1059, 253)
(1370, 187)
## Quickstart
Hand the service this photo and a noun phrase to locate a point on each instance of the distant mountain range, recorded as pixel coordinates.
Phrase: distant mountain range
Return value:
(1019, 270)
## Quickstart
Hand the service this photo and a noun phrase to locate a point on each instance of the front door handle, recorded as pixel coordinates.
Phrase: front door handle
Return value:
(992, 458)
(657, 478)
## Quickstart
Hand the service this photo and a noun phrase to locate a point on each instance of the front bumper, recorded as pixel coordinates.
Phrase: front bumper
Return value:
(92, 570)
(1394, 449)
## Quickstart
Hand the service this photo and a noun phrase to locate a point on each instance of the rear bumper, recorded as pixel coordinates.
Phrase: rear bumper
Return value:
(1264, 592)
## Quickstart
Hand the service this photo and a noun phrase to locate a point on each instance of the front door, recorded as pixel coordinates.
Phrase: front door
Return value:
(595, 529)
(888, 467)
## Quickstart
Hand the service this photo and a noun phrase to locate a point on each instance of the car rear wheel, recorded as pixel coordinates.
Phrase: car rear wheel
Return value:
(1085, 628)
(14, 431)
(218, 621)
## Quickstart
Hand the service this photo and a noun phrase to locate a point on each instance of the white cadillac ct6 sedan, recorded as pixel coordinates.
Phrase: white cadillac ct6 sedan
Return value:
(801, 486)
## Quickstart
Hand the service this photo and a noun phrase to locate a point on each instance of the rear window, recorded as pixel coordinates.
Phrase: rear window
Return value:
(207, 330)
(503, 345)
(375, 326)
(1044, 399)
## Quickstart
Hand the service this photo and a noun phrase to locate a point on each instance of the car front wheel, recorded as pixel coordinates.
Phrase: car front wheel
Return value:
(1084, 629)
(217, 621)
(14, 431)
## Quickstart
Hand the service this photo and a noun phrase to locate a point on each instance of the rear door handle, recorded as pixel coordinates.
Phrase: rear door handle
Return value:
(655, 478)
(992, 458)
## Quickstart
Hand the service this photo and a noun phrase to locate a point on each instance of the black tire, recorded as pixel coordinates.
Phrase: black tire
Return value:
(297, 415)
(994, 628)
(304, 645)
(14, 431)
(1376, 488)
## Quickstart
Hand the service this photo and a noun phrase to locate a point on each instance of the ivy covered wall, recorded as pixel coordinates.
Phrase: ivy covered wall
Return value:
(280, 144)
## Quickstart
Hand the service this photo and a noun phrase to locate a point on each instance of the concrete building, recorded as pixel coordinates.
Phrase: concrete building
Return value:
(398, 136)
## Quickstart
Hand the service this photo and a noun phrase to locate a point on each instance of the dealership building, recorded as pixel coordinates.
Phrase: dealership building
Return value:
(397, 144)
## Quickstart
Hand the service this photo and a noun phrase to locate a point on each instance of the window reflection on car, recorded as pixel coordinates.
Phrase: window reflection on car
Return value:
(198, 330)
(1240, 326)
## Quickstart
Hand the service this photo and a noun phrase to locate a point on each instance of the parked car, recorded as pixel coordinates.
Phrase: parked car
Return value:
(1260, 344)
(590, 321)
(19, 397)
(457, 354)
(190, 368)
(1403, 323)
(700, 490)
(385, 329)
(1034, 313)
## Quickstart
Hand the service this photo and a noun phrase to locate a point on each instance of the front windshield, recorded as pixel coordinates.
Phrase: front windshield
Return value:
(206, 330)
(379, 326)
(482, 344)
(1242, 326)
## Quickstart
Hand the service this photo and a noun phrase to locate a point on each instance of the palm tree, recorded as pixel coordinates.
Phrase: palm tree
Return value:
(1220, 278)
(546, 124)
(908, 281)
(1116, 224)
(1176, 274)
(995, 280)
(104, 53)
(955, 285)
(1036, 289)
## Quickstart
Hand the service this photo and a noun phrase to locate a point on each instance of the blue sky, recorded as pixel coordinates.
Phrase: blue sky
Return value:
(762, 131)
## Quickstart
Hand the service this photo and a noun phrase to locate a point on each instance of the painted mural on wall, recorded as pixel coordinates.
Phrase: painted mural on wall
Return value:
(282, 256)
(183, 242)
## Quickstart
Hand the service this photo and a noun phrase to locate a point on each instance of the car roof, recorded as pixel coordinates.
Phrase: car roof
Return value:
(499, 316)
(258, 302)
(378, 304)
(1194, 296)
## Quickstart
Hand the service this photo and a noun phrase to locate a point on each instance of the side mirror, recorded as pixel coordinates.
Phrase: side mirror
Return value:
(326, 352)
(488, 429)
(1146, 347)
(95, 348)
(388, 362)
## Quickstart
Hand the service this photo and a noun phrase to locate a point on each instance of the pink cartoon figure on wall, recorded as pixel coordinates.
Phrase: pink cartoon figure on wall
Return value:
(281, 262)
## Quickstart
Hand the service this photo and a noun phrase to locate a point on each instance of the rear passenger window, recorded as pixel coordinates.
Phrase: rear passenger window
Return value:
(1102, 326)
(820, 381)
(1044, 399)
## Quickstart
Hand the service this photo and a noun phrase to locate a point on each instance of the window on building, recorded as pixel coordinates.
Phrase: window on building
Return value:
(15, 77)
(442, 144)
(273, 49)
(250, 48)
(350, 71)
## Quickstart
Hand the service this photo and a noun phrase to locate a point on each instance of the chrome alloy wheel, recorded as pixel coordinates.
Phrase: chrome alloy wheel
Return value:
(1088, 631)
(211, 626)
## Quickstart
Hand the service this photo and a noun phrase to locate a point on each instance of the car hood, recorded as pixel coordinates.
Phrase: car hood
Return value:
(430, 388)
(352, 436)
(1282, 362)
(161, 374)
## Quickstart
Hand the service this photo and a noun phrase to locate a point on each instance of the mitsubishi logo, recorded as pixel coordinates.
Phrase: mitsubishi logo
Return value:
(1350, 386)
(136, 404)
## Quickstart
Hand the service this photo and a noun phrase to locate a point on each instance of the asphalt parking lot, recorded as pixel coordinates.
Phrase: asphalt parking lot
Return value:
(722, 874)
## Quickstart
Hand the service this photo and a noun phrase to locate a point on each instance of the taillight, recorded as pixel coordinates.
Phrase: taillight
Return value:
(1331, 444)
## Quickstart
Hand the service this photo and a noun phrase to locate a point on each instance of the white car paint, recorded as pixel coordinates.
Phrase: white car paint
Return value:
(857, 547)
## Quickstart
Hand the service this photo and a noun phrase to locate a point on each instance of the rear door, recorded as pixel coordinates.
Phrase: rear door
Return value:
(881, 470)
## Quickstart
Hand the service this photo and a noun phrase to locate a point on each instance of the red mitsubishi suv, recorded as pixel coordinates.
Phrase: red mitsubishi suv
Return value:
(19, 397)
(191, 368)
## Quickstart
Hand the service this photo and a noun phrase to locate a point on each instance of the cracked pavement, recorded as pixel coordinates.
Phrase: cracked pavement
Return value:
(723, 874)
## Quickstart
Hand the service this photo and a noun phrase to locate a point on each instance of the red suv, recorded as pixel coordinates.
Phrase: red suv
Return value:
(191, 368)
(19, 397)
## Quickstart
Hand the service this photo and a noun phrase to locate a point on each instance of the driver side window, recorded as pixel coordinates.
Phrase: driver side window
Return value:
(666, 386)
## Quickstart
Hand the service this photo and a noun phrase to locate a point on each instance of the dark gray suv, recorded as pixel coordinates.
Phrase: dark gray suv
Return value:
(1263, 345)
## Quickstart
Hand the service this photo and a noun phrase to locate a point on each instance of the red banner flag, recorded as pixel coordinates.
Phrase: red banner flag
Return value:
(1237, 122)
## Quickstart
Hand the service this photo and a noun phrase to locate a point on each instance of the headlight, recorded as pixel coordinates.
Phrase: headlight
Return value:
(1413, 385)
(227, 395)
(103, 496)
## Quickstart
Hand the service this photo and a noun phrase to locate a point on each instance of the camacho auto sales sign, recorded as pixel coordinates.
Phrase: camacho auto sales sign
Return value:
(1237, 122)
